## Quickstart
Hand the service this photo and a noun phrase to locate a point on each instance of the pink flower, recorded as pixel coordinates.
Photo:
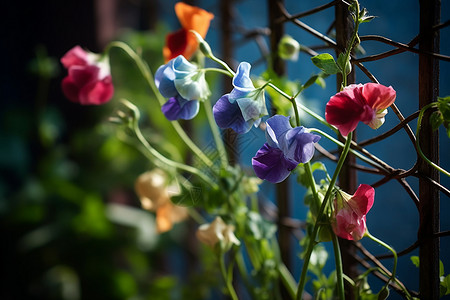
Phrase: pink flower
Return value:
(89, 79)
(367, 103)
(349, 215)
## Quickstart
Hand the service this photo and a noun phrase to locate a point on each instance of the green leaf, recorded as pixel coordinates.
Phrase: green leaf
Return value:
(321, 82)
(326, 63)
(441, 268)
(443, 105)
(310, 81)
(364, 16)
(445, 283)
(436, 120)
(415, 260)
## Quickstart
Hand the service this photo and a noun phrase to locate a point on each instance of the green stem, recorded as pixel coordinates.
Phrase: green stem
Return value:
(287, 279)
(147, 74)
(419, 150)
(216, 133)
(312, 241)
(223, 64)
(302, 107)
(394, 269)
(350, 46)
(218, 71)
(226, 277)
(164, 160)
(339, 270)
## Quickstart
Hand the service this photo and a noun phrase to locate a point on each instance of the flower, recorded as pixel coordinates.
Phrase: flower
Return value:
(286, 147)
(89, 78)
(184, 84)
(349, 215)
(183, 42)
(154, 193)
(244, 106)
(288, 48)
(367, 103)
(217, 231)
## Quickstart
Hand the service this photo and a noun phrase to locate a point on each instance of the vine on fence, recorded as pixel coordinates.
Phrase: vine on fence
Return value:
(223, 197)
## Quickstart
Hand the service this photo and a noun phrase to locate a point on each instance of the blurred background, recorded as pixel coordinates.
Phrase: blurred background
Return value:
(71, 224)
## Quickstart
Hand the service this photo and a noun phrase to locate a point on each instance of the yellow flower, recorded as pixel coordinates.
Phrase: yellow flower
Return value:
(217, 231)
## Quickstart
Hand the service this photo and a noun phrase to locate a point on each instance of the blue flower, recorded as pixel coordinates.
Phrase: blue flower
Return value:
(285, 148)
(244, 106)
(181, 82)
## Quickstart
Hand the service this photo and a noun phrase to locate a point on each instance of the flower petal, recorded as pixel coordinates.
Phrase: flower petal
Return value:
(97, 93)
(164, 78)
(270, 164)
(193, 18)
(228, 115)
(241, 81)
(176, 44)
(298, 144)
(378, 96)
(75, 57)
(361, 202)
(276, 126)
(346, 109)
(70, 89)
(178, 108)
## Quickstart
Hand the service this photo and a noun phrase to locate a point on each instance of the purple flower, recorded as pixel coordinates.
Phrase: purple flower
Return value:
(179, 108)
(285, 148)
(244, 106)
(181, 82)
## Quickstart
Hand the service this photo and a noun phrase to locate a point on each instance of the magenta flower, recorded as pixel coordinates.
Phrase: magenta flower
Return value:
(367, 103)
(89, 78)
(349, 215)
(286, 147)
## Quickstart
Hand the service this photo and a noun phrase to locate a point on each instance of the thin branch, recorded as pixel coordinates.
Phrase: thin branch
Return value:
(309, 12)
(405, 47)
(442, 188)
(305, 27)
(390, 132)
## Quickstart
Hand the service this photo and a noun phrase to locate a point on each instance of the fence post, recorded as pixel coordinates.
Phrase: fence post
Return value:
(429, 142)
(348, 177)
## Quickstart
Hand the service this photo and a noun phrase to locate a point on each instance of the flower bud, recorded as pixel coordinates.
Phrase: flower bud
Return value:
(203, 45)
(288, 48)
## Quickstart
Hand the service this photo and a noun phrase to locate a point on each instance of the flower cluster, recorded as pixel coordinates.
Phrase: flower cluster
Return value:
(229, 188)
(89, 79)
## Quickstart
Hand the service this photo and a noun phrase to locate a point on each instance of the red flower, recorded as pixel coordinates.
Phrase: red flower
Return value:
(89, 80)
(349, 215)
(183, 42)
(367, 103)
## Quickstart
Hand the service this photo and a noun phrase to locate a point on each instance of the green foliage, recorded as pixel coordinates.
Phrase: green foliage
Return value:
(326, 63)
(442, 115)
(444, 280)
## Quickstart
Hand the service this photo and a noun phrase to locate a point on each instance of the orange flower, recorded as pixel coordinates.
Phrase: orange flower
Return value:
(183, 42)
(154, 192)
